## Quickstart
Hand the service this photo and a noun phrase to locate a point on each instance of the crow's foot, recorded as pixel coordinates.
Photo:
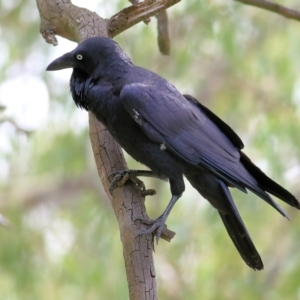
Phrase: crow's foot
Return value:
(119, 178)
(156, 226)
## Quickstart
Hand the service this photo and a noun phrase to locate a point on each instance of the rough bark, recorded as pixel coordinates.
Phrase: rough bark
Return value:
(61, 17)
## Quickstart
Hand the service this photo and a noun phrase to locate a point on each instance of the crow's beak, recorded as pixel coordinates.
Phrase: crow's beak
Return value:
(63, 62)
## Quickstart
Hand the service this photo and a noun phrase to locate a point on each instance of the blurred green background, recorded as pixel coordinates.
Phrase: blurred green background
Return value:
(62, 241)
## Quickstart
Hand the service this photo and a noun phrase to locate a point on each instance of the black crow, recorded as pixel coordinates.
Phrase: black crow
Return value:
(173, 134)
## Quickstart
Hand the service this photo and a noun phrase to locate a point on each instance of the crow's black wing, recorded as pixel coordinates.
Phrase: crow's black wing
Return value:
(184, 127)
(186, 130)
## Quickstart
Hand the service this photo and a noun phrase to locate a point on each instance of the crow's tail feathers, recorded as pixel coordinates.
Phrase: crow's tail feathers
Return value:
(267, 184)
(216, 191)
(237, 231)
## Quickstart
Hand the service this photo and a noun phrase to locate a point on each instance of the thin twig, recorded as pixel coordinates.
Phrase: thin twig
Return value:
(17, 127)
(274, 7)
(163, 37)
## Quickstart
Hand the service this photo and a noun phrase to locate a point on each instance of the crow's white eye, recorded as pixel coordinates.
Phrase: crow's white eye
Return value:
(79, 56)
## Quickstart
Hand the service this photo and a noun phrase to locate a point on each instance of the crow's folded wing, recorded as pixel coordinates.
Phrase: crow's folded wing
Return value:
(188, 131)
(184, 128)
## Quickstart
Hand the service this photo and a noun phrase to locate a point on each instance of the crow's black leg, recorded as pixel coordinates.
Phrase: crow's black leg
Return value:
(119, 178)
(158, 225)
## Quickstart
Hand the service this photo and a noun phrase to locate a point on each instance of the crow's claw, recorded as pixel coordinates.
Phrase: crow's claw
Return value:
(156, 228)
(119, 178)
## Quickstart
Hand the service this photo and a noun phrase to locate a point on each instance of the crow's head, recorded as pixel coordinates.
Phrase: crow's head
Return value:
(94, 56)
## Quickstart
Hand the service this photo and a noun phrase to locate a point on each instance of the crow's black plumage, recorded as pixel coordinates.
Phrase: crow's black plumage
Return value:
(173, 134)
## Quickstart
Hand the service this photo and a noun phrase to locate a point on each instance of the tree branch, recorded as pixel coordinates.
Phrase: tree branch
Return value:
(136, 13)
(61, 17)
(274, 7)
(163, 39)
(69, 21)
(15, 124)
